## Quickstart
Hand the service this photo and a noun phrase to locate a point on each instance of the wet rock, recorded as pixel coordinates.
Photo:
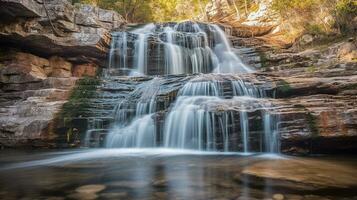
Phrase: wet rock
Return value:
(246, 198)
(315, 197)
(83, 196)
(161, 195)
(114, 195)
(129, 184)
(294, 197)
(317, 174)
(278, 197)
(160, 183)
(55, 198)
(225, 184)
(90, 189)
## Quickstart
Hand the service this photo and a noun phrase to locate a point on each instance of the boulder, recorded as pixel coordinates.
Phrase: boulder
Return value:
(302, 174)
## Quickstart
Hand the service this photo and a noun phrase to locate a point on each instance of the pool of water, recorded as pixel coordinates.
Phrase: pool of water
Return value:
(173, 174)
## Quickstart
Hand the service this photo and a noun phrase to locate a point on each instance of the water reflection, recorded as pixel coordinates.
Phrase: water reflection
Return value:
(172, 174)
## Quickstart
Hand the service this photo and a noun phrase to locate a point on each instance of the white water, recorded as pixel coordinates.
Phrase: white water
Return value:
(188, 48)
(212, 112)
(229, 62)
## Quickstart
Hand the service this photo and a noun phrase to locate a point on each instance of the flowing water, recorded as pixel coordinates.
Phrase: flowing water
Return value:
(216, 110)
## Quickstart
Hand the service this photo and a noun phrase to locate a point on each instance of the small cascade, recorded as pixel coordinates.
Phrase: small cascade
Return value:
(202, 97)
(229, 62)
(136, 127)
(203, 119)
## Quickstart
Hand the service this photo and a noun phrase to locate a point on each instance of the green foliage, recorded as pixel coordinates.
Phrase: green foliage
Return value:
(319, 17)
(311, 69)
(78, 102)
(315, 29)
(346, 11)
(152, 10)
(284, 86)
(284, 6)
(263, 59)
(311, 120)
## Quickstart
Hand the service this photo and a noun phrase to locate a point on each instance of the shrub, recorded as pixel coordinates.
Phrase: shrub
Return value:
(346, 11)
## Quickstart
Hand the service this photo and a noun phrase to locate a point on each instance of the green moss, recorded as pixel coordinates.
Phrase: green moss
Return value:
(350, 87)
(315, 29)
(263, 60)
(284, 86)
(311, 120)
(311, 69)
(78, 102)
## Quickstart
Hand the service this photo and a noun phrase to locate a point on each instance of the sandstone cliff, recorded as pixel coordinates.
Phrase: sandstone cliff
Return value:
(45, 47)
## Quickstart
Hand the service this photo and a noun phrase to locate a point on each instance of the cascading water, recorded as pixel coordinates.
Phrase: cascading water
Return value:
(211, 112)
(187, 48)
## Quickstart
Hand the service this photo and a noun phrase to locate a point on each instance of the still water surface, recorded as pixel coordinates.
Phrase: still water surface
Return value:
(173, 174)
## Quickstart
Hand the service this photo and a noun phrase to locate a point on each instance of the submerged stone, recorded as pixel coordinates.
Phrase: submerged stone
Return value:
(90, 189)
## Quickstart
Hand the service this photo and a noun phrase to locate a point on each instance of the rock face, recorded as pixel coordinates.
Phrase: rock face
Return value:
(31, 94)
(62, 42)
(79, 33)
(316, 89)
(315, 93)
(257, 23)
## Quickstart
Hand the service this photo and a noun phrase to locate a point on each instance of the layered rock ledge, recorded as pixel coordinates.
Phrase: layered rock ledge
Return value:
(78, 33)
(316, 93)
(46, 46)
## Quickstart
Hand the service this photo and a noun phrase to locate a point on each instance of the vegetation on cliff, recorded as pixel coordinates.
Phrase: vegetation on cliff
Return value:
(152, 10)
(319, 17)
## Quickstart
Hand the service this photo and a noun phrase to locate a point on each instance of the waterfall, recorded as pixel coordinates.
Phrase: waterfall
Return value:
(192, 121)
(229, 62)
(215, 106)
(188, 47)
(137, 131)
